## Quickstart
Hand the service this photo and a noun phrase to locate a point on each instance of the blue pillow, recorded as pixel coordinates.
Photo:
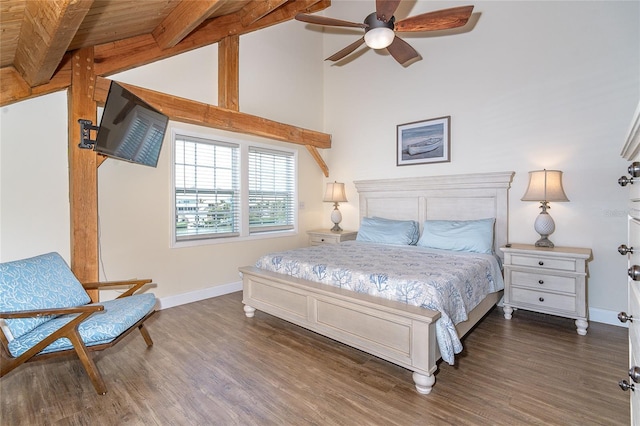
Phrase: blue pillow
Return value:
(459, 235)
(388, 231)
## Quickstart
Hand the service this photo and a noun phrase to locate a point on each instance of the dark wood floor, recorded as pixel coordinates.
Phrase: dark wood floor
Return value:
(211, 365)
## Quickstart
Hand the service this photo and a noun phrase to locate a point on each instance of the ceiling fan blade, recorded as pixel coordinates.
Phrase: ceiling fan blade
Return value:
(323, 20)
(386, 8)
(438, 20)
(344, 52)
(402, 51)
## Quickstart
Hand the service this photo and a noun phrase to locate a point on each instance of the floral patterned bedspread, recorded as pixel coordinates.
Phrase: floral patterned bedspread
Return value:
(452, 283)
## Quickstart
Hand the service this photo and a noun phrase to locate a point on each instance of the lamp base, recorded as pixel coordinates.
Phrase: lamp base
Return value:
(544, 242)
(544, 225)
(336, 218)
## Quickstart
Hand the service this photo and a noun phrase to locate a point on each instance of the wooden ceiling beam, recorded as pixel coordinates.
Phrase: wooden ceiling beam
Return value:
(229, 73)
(183, 20)
(83, 173)
(255, 10)
(201, 114)
(14, 88)
(47, 30)
(316, 156)
(129, 53)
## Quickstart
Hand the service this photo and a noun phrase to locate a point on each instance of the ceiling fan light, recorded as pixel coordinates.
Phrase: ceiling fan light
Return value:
(379, 38)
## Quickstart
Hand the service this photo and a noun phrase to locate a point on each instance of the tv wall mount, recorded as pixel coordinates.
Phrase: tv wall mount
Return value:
(86, 126)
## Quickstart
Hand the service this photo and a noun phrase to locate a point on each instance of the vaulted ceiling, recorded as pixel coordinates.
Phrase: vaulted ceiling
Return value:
(37, 37)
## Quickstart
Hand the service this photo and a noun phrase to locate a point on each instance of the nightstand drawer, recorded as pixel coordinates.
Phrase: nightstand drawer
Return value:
(326, 236)
(538, 281)
(543, 301)
(315, 240)
(543, 262)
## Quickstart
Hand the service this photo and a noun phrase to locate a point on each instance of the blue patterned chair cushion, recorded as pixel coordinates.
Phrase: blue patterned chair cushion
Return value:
(101, 327)
(38, 283)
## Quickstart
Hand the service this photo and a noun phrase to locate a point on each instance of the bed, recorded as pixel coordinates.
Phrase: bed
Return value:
(398, 332)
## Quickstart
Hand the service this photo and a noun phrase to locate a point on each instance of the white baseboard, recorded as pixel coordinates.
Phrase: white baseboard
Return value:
(194, 296)
(595, 314)
(604, 316)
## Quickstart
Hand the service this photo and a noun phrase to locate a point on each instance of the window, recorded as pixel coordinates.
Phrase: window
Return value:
(207, 196)
(271, 190)
(231, 189)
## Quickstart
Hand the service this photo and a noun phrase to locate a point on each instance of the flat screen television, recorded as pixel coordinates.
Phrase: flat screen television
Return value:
(130, 129)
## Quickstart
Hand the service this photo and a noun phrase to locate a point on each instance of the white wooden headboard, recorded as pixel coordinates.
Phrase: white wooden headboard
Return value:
(456, 197)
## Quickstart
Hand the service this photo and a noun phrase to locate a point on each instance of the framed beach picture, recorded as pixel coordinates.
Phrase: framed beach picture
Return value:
(427, 141)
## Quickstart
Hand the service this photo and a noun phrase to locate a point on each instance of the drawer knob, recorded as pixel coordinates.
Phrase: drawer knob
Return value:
(625, 386)
(634, 273)
(623, 317)
(624, 181)
(540, 282)
(634, 373)
(634, 169)
(540, 262)
(623, 249)
(541, 299)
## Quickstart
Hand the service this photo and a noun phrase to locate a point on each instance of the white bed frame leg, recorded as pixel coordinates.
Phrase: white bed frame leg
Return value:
(249, 311)
(508, 310)
(424, 383)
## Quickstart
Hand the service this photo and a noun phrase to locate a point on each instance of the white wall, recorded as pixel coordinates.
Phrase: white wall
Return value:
(134, 200)
(534, 85)
(34, 178)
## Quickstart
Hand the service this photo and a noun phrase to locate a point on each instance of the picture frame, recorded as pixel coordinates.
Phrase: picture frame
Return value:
(422, 142)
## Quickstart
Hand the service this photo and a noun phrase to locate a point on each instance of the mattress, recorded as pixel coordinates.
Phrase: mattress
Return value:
(452, 283)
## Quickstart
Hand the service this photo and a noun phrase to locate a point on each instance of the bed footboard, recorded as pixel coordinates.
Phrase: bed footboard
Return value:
(402, 334)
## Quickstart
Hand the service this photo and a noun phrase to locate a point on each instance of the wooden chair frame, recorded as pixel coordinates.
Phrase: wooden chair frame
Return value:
(70, 331)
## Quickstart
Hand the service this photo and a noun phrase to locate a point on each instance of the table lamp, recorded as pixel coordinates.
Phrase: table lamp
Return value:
(545, 186)
(335, 194)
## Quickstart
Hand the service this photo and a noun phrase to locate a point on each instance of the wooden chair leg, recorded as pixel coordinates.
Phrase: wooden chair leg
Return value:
(87, 362)
(145, 335)
(7, 363)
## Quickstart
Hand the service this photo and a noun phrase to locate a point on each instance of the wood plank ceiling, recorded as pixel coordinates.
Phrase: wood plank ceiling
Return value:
(36, 37)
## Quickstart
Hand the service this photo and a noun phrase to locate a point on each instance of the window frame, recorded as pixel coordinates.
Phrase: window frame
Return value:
(244, 232)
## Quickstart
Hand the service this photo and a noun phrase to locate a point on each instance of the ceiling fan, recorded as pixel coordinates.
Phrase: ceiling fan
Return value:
(380, 28)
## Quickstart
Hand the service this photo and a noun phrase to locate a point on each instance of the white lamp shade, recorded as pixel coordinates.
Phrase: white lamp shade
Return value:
(545, 185)
(335, 193)
(379, 38)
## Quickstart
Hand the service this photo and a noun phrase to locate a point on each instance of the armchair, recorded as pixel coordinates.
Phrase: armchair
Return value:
(45, 311)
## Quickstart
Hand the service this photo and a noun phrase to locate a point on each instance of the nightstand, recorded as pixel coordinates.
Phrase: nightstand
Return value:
(326, 236)
(547, 280)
